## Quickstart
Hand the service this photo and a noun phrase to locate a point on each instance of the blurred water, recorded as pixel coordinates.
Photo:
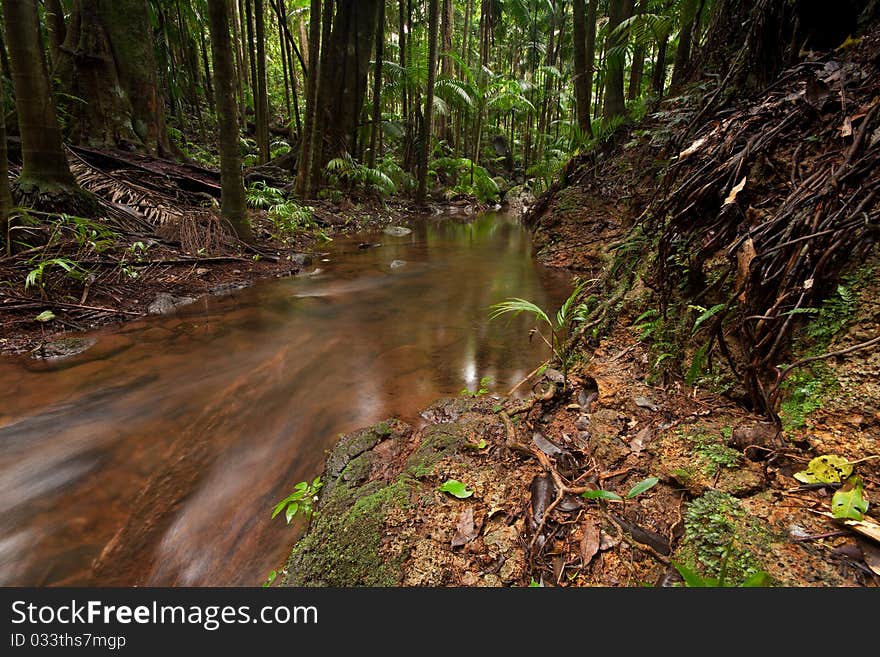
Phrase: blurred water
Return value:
(155, 457)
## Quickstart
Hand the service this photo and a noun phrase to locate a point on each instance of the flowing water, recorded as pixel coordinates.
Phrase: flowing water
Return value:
(155, 457)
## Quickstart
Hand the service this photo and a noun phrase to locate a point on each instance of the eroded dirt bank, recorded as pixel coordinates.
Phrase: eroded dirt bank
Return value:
(681, 234)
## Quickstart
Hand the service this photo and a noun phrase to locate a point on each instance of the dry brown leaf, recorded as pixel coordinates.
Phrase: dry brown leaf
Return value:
(871, 555)
(465, 530)
(643, 437)
(590, 541)
(867, 528)
(693, 148)
(744, 258)
(731, 198)
(846, 128)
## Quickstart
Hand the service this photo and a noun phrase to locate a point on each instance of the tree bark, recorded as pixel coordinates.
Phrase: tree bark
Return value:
(233, 207)
(658, 76)
(638, 64)
(446, 63)
(109, 59)
(44, 164)
(615, 105)
(307, 142)
(683, 51)
(262, 94)
(425, 146)
(240, 62)
(56, 29)
(376, 119)
(321, 96)
(5, 191)
(583, 70)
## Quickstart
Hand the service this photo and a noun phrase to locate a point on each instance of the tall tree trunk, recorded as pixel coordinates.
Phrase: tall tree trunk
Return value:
(208, 82)
(240, 62)
(425, 146)
(658, 76)
(44, 164)
(615, 105)
(550, 59)
(252, 55)
(683, 51)
(321, 98)
(376, 119)
(638, 64)
(109, 58)
(262, 94)
(233, 206)
(5, 192)
(583, 74)
(56, 28)
(307, 141)
(446, 64)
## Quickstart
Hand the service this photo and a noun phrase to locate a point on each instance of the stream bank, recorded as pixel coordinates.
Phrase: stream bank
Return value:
(664, 222)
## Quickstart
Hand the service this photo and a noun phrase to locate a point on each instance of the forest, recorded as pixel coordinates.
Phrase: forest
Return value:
(521, 292)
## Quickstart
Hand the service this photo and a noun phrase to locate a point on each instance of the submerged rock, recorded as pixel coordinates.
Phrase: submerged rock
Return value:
(397, 231)
(397, 264)
(164, 303)
(64, 348)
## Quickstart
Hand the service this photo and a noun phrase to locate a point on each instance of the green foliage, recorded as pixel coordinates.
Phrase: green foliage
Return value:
(346, 172)
(641, 487)
(692, 579)
(36, 276)
(834, 314)
(261, 195)
(712, 534)
(483, 388)
(455, 488)
(826, 469)
(45, 316)
(462, 177)
(286, 216)
(713, 453)
(806, 391)
(300, 500)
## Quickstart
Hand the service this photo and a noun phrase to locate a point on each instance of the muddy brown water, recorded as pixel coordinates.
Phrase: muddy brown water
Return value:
(155, 457)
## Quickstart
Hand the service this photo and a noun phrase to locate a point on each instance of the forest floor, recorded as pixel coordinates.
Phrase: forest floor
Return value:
(159, 247)
(487, 490)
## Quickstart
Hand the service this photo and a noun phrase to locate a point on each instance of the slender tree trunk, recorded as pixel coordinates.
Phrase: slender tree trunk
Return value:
(208, 82)
(548, 79)
(376, 120)
(307, 141)
(683, 52)
(262, 94)
(638, 64)
(44, 164)
(240, 62)
(582, 75)
(658, 77)
(446, 63)
(252, 57)
(56, 28)
(233, 207)
(425, 146)
(282, 44)
(615, 105)
(5, 191)
(466, 36)
(321, 96)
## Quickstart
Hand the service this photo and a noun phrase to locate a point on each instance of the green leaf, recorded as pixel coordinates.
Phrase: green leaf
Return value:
(707, 314)
(479, 445)
(292, 508)
(692, 579)
(759, 579)
(270, 578)
(601, 495)
(849, 502)
(456, 488)
(641, 487)
(516, 306)
(278, 507)
(827, 469)
(45, 316)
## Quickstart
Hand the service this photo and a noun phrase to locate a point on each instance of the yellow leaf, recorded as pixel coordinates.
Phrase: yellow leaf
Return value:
(731, 198)
(693, 148)
(828, 469)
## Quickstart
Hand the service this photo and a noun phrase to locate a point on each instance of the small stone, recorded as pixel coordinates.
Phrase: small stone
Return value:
(201, 271)
(397, 264)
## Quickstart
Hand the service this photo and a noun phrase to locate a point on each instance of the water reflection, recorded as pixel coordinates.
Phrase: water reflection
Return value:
(154, 458)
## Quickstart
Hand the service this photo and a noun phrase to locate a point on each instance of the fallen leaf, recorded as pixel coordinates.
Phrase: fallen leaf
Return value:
(545, 445)
(641, 487)
(590, 541)
(542, 491)
(849, 502)
(867, 528)
(827, 469)
(744, 258)
(643, 437)
(456, 488)
(846, 128)
(731, 198)
(644, 402)
(693, 148)
(607, 542)
(45, 316)
(465, 530)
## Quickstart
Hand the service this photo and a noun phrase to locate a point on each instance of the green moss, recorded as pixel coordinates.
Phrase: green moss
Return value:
(806, 391)
(720, 539)
(342, 547)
